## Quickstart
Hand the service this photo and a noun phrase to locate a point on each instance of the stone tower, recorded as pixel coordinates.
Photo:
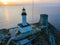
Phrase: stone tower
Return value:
(43, 20)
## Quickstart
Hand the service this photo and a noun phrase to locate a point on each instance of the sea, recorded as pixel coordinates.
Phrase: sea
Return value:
(10, 16)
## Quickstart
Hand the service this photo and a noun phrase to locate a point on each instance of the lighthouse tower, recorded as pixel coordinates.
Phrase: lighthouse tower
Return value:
(24, 22)
(24, 26)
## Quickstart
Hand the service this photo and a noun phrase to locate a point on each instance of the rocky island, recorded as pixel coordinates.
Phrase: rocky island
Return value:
(40, 33)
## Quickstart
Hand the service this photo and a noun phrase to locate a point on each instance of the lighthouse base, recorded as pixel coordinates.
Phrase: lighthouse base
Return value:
(24, 28)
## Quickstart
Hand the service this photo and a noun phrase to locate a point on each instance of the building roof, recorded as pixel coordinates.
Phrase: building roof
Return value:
(23, 12)
(23, 25)
(43, 15)
(23, 9)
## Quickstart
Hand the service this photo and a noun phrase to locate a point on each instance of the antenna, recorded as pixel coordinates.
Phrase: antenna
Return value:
(22, 3)
(32, 9)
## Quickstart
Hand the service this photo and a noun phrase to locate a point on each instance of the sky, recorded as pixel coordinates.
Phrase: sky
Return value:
(14, 2)
(29, 1)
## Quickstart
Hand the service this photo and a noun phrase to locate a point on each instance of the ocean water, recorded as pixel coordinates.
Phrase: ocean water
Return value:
(10, 16)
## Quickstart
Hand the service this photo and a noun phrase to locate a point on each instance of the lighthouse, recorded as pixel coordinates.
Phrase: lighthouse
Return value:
(24, 22)
(24, 26)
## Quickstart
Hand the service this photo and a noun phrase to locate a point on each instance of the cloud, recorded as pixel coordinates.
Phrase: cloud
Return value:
(47, 1)
(35, 1)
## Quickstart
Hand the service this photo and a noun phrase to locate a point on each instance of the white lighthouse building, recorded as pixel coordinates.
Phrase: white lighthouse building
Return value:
(24, 26)
(24, 22)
